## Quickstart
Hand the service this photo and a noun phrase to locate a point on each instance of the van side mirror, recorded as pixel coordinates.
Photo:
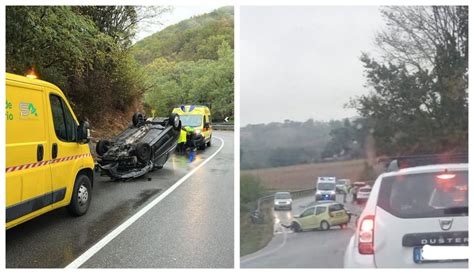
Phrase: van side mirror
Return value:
(83, 132)
(206, 125)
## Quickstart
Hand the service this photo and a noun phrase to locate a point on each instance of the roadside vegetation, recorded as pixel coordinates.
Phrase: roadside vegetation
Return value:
(418, 88)
(191, 62)
(84, 50)
(88, 52)
(254, 235)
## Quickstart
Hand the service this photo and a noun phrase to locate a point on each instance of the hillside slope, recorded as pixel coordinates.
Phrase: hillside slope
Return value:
(191, 39)
(191, 62)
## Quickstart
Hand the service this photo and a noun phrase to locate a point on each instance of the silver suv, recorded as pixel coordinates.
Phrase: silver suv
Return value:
(415, 217)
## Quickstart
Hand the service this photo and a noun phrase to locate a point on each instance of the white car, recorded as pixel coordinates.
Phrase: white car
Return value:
(416, 217)
(363, 194)
(282, 201)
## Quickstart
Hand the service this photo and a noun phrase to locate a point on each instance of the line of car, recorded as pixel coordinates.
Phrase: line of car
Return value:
(416, 214)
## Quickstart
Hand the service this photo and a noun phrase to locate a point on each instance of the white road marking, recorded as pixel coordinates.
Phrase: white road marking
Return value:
(242, 261)
(114, 233)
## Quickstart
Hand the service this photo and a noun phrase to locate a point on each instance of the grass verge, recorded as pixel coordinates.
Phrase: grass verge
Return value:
(254, 237)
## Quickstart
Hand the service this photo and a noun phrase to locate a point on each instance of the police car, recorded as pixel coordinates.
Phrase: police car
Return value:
(416, 216)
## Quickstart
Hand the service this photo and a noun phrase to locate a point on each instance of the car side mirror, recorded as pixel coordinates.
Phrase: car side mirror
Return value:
(83, 132)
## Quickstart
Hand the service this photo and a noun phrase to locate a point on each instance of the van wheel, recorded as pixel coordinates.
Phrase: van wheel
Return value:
(102, 147)
(81, 196)
(324, 225)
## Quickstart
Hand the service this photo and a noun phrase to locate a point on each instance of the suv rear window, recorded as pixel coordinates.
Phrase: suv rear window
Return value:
(425, 195)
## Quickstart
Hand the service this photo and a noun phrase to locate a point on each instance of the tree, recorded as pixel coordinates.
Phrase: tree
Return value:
(83, 50)
(418, 98)
(120, 22)
(193, 82)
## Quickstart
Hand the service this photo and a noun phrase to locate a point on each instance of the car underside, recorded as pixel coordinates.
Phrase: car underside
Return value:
(143, 146)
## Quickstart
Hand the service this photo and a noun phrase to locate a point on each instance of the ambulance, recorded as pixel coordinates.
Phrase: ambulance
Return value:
(196, 129)
(48, 161)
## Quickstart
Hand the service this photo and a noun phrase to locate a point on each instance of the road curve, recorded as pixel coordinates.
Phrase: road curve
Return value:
(191, 227)
(311, 249)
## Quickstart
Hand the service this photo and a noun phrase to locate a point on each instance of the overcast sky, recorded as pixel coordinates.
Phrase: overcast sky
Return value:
(178, 14)
(303, 62)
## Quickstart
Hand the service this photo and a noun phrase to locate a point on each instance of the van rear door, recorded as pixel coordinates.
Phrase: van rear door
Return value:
(28, 177)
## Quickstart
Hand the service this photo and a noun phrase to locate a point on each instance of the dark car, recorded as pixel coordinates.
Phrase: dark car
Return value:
(143, 146)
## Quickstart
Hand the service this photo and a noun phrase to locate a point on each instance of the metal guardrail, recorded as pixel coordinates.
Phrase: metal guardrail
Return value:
(223, 126)
(256, 215)
(294, 194)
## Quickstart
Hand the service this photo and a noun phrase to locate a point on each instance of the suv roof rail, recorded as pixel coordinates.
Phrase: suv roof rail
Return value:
(399, 162)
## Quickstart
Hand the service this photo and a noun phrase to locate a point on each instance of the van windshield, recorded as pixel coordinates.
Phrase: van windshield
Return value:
(191, 120)
(326, 186)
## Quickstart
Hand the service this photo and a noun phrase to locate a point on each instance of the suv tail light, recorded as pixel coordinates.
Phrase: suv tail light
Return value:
(366, 235)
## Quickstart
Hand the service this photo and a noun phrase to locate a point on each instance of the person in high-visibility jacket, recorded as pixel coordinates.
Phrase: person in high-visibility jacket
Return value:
(183, 138)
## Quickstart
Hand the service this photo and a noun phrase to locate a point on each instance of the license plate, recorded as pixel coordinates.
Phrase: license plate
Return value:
(433, 254)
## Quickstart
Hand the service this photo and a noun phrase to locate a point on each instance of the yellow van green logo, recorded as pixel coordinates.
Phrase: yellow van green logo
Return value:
(27, 110)
(8, 111)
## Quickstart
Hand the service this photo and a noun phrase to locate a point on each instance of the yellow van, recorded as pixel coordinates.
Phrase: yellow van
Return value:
(196, 129)
(48, 161)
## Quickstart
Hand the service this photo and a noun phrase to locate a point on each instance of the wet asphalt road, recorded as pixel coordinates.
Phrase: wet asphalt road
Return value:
(191, 227)
(310, 249)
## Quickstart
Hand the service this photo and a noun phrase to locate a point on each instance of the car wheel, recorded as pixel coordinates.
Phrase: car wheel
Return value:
(138, 119)
(143, 152)
(174, 121)
(81, 196)
(289, 208)
(102, 147)
(324, 225)
(296, 227)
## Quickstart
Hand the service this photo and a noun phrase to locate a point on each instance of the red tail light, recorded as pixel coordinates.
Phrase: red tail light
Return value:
(366, 235)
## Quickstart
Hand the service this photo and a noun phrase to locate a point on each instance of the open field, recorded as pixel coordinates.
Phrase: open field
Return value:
(304, 176)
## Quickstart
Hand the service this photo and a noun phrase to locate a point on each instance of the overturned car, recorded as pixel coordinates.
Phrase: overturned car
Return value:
(143, 146)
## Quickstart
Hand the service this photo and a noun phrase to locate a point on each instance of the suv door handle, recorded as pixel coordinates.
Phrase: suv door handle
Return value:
(55, 151)
(39, 153)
